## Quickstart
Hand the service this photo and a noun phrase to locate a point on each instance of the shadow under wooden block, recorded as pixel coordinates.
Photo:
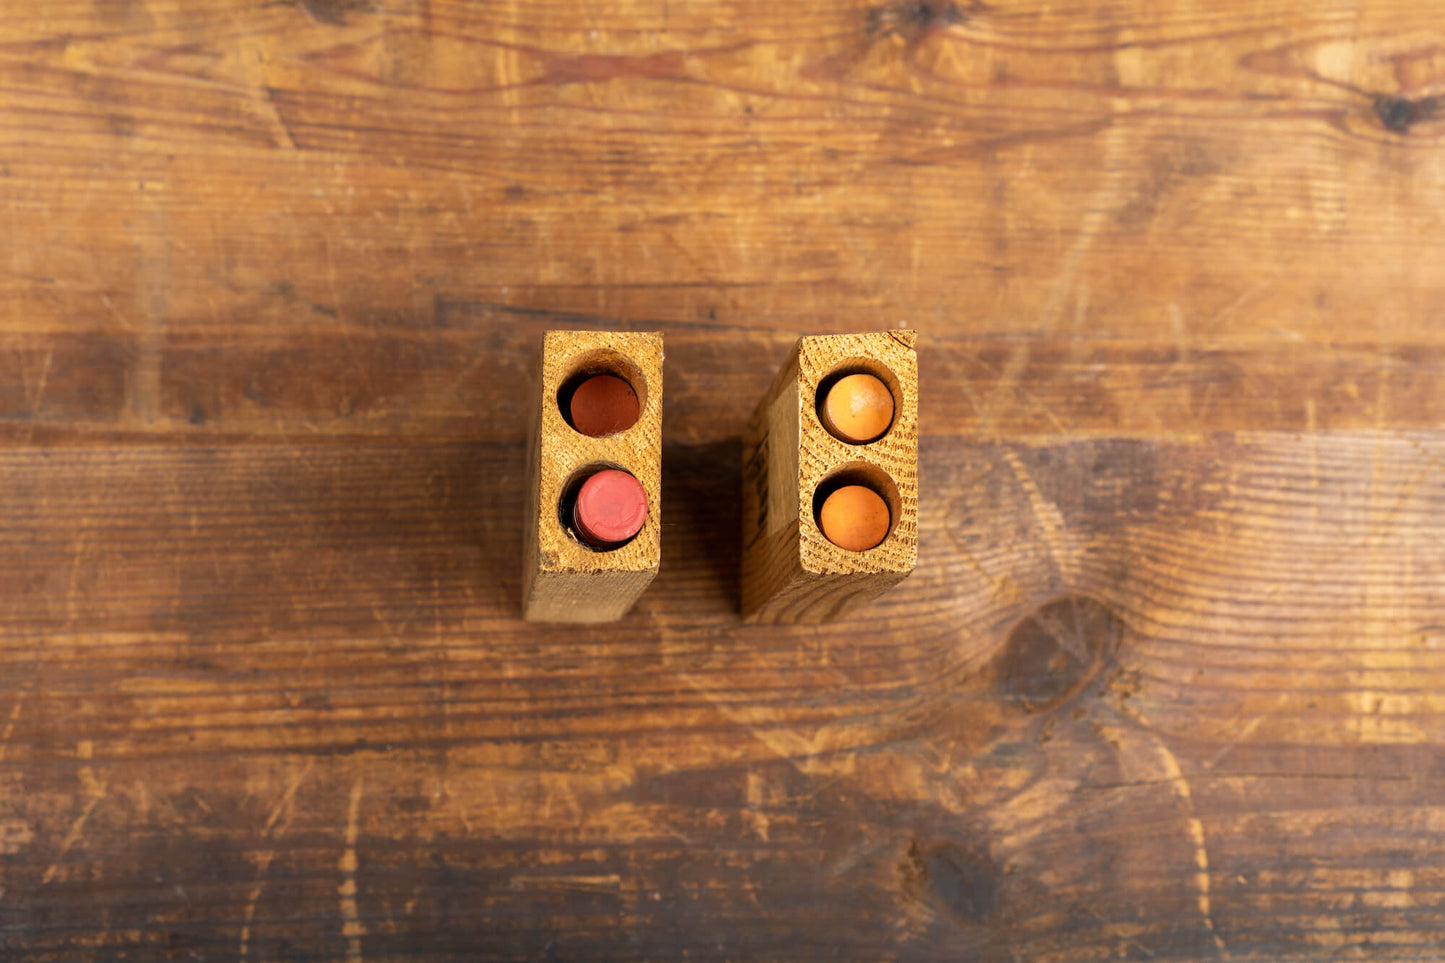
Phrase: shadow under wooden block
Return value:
(791, 572)
(566, 580)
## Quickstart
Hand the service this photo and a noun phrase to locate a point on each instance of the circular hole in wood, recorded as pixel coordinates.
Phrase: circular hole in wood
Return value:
(602, 507)
(603, 394)
(850, 496)
(858, 401)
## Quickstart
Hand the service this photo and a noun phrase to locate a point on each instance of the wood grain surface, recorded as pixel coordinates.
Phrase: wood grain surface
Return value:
(1166, 684)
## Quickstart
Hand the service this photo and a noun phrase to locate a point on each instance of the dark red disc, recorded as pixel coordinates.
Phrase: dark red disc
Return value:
(604, 405)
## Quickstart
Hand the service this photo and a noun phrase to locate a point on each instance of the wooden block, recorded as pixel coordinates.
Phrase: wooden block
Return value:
(565, 579)
(791, 572)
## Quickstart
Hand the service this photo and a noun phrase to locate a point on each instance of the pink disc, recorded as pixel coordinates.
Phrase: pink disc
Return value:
(611, 508)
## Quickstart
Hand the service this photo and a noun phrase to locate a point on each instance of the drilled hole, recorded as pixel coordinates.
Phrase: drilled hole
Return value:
(603, 394)
(857, 475)
(596, 540)
(850, 405)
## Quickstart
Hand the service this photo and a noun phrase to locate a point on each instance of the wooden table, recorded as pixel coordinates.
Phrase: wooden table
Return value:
(1167, 683)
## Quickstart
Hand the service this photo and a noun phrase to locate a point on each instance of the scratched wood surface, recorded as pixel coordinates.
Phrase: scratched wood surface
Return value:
(1165, 685)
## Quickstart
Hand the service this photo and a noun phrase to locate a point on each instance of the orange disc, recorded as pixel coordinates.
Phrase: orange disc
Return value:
(858, 409)
(855, 518)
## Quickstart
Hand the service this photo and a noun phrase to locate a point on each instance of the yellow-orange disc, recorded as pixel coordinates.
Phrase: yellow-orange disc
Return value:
(858, 408)
(855, 518)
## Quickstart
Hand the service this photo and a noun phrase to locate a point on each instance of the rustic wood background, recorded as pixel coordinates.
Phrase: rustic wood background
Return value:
(1169, 682)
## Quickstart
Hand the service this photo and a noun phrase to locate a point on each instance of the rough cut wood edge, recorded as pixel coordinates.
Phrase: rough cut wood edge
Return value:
(791, 572)
(564, 580)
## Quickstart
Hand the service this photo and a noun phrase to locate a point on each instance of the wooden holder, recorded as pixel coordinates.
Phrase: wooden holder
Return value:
(565, 580)
(791, 572)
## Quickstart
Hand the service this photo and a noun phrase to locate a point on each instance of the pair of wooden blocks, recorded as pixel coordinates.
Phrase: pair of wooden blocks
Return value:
(791, 572)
